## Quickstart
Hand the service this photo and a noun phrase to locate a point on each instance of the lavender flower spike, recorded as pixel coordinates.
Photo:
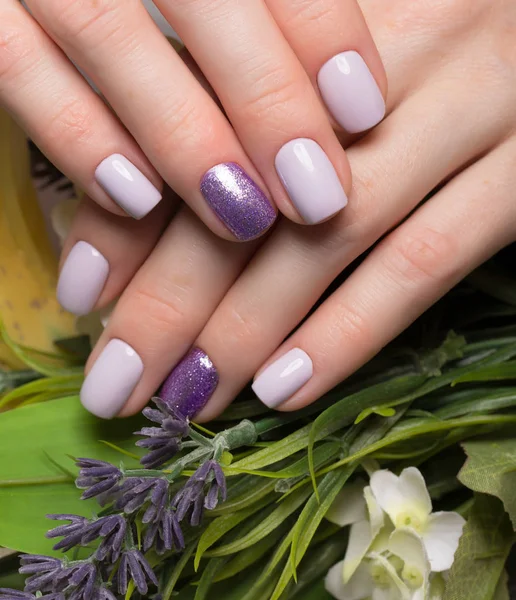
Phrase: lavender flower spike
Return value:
(72, 533)
(43, 571)
(6, 594)
(134, 565)
(162, 442)
(96, 477)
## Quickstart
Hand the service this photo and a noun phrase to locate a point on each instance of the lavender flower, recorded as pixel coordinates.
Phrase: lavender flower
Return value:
(193, 498)
(135, 492)
(163, 442)
(43, 571)
(96, 477)
(164, 533)
(112, 529)
(6, 594)
(133, 565)
(81, 578)
(72, 533)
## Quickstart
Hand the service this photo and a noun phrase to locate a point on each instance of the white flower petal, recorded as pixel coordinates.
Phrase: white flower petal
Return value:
(406, 494)
(359, 542)
(398, 590)
(359, 587)
(441, 539)
(408, 545)
(349, 506)
(376, 514)
(419, 595)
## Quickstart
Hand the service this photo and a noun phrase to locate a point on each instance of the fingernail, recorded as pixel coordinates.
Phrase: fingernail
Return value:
(191, 384)
(310, 180)
(351, 93)
(238, 202)
(82, 279)
(111, 380)
(127, 186)
(283, 378)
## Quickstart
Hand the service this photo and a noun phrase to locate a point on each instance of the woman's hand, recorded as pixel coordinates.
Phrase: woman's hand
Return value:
(451, 124)
(278, 147)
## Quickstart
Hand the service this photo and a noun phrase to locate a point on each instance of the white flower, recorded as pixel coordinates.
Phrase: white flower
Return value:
(407, 502)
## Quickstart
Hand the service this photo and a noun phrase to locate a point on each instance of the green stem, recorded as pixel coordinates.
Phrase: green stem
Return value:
(7, 483)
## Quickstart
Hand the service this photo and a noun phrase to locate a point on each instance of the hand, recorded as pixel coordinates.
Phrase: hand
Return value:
(451, 124)
(253, 54)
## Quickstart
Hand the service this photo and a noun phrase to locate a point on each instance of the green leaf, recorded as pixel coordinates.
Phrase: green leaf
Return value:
(505, 371)
(482, 552)
(478, 401)
(35, 444)
(269, 524)
(177, 570)
(256, 490)
(314, 511)
(209, 573)
(344, 412)
(502, 591)
(222, 525)
(491, 469)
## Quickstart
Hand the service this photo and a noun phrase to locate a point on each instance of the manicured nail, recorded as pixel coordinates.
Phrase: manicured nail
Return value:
(111, 380)
(127, 185)
(82, 279)
(351, 93)
(310, 180)
(283, 378)
(191, 384)
(238, 202)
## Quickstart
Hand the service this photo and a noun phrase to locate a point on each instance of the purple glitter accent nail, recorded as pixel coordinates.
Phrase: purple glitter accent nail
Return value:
(191, 384)
(238, 201)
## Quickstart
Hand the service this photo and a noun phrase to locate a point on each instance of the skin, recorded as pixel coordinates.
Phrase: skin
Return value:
(451, 118)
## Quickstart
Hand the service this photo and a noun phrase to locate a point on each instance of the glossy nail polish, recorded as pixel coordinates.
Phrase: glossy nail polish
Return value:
(191, 384)
(238, 202)
(310, 180)
(82, 279)
(283, 378)
(127, 186)
(351, 93)
(112, 379)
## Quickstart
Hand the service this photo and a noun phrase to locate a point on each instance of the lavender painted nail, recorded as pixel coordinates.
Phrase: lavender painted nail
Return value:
(111, 380)
(310, 180)
(283, 378)
(238, 201)
(191, 384)
(350, 92)
(82, 279)
(127, 185)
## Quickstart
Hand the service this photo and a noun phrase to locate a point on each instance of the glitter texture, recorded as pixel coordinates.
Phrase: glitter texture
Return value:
(191, 384)
(238, 201)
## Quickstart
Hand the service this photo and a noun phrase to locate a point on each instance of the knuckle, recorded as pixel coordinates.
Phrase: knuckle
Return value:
(72, 121)
(240, 328)
(427, 255)
(273, 93)
(349, 325)
(86, 18)
(161, 314)
(17, 47)
(308, 13)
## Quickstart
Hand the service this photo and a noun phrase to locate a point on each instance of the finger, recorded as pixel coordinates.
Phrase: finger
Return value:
(410, 270)
(68, 121)
(293, 269)
(270, 101)
(159, 315)
(174, 120)
(104, 251)
(333, 43)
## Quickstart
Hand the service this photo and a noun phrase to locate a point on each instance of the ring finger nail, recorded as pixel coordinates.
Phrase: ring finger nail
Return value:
(238, 201)
(191, 384)
(111, 380)
(283, 378)
(82, 279)
(310, 180)
(127, 186)
(351, 93)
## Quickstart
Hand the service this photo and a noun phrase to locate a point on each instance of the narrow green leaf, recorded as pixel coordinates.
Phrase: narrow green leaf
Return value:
(500, 372)
(256, 490)
(208, 575)
(482, 552)
(177, 570)
(313, 513)
(269, 524)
